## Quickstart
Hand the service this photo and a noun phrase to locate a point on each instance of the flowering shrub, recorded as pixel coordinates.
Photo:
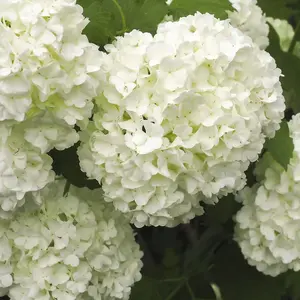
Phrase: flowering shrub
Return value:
(119, 118)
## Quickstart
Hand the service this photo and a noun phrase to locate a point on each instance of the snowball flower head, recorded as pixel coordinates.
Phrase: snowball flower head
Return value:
(25, 165)
(69, 247)
(251, 20)
(46, 62)
(23, 168)
(181, 116)
(48, 76)
(267, 228)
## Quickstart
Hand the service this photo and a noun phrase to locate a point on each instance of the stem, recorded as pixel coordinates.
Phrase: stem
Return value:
(158, 294)
(175, 291)
(190, 233)
(294, 40)
(173, 279)
(216, 291)
(146, 249)
(190, 290)
(67, 188)
(122, 14)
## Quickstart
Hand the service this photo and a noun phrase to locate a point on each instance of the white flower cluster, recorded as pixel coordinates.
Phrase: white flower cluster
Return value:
(69, 247)
(286, 33)
(180, 117)
(267, 228)
(250, 19)
(48, 77)
(46, 62)
(25, 165)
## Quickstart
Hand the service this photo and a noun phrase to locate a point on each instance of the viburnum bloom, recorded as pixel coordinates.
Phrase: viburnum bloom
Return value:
(267, 226)
(49, 73)
(46, 61)
(250, 19)
(180, 117)
(25, 165)
(68, 247)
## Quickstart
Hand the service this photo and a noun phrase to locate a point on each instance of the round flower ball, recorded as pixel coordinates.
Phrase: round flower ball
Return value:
(46, 61)
(180, 117)
(251, 20)
(25, 165)
(49, 73)
(267, 226)
(68, 247)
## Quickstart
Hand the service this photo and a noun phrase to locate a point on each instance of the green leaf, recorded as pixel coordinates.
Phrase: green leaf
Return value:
(295, 39)
(290, 66)
(281, 9)
(292, 284)
(158, 287)
(110, 18)
(239, 281)
(66, 163)
(181, 8)
(98, 30)
(262, 165)
(281, 147)
(222, 212)
(146, 289)
(251, 180)
(163, 238)
(171, 258)
(145, 15)
(198, 257)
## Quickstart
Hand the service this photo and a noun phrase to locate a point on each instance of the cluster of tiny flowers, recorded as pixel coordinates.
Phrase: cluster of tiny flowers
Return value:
(46, 62)
(267, 228)
(286, 33)
(250, 19)
(23, 167)
(48, 77)
(67, 247)
(180, 117)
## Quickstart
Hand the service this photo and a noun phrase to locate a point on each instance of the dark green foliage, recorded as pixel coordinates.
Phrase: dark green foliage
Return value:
(290, 66)
(110, 18)
(222, 212)
(281, 9)
(292, 284)
(281, 147)
(237, 280)
(66, 163)
(181, 8)
(178, 268)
